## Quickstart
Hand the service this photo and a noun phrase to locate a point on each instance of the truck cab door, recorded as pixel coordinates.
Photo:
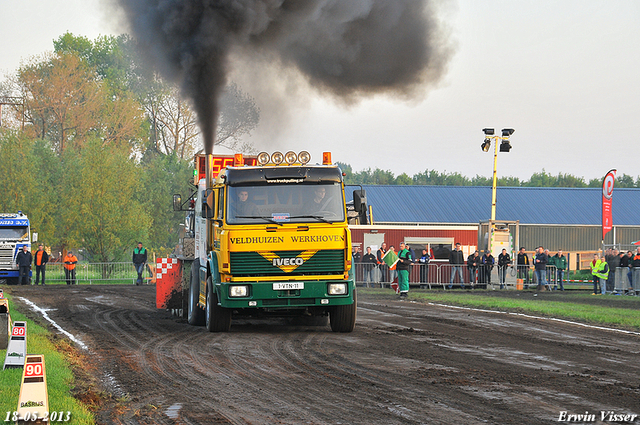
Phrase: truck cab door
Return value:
(219, 217)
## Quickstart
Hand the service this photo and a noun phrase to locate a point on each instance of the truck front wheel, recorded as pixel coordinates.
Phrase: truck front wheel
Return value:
(343, 317)
(218, 319)
(195, 316)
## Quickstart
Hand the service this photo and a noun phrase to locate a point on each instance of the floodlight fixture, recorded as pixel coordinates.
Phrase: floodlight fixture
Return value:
(486, 145)
(489, 131)
(506, 132)
(505, 146)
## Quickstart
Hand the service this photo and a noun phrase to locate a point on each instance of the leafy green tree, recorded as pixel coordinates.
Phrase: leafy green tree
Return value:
(626, 181)
(32, 188)
(404, 179)
(101, 191)
(163, 176)
(16, 154)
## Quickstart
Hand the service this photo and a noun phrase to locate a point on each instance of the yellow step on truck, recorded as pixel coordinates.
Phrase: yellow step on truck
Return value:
(270, 238)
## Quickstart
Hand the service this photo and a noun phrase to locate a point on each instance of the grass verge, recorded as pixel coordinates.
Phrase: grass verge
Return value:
(60, 378)
(577, 307)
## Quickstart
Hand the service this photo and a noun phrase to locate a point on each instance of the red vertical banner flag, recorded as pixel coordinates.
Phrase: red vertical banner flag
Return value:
(607, 194)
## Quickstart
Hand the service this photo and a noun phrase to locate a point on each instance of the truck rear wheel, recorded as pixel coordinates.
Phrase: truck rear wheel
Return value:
(218, 319)
(195, 316)
(343, 317)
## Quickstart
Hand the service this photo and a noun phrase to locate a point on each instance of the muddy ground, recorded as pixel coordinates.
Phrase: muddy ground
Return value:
(405, 363)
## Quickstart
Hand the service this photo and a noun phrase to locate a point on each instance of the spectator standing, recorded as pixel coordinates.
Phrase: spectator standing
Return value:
(424, 266)
(600, 272)
(560, 261)
(413, 254)
(473, 262)
(456, 259)
(23, 260)
(357, 259)
(40, 260)
(392, 270)
(635, 264)
(486, 267)
(139, 259)
(381, 264)
(369, 262)
(70, 262)
(624, 265)
(594, 264)
(523, 264)
(541, 259)
(630, 272)
(403, 265)
(614, 262)
(550, 270)
(504, 261)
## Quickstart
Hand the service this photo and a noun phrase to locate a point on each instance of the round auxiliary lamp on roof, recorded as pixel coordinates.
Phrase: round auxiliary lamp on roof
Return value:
(278, 158)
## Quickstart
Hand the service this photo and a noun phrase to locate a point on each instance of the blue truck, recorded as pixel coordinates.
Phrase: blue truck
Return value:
(15, 232)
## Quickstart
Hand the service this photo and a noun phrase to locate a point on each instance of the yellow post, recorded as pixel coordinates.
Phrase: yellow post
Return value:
(495, 181)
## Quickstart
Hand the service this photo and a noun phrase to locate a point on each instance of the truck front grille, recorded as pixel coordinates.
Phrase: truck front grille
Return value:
(245, 264)
(6, 256)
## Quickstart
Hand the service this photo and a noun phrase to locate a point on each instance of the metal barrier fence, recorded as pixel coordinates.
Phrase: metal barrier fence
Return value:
(96, 273)
(439, 275)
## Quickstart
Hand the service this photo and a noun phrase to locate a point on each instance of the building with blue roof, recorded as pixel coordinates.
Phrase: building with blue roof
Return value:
(557, 218)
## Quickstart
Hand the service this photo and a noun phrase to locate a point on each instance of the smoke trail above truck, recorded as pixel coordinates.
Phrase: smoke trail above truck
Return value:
(348, 49)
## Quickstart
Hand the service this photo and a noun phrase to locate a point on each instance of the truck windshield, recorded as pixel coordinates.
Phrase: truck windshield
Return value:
(14, 233)
(285, 203)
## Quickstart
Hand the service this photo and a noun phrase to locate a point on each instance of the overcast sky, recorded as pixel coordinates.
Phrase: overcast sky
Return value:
(564, 74)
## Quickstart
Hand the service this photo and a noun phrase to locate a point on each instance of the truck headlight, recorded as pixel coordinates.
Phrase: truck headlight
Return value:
(337, 289)
(237, 291)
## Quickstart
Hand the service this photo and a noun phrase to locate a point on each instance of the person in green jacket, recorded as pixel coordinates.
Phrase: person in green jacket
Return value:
(600, 272)
(560, 261)
(551, 271)
(405, 259)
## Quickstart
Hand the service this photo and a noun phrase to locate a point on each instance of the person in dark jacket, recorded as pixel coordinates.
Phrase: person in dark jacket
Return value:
(456, 259)
(625, 258)
(541, 259)
(523, 265)
(473, 262)
(504, 261)
(369, 262)
(486, 267)
(139, 260)
(40, 259)
(424, 265)
(23, 260)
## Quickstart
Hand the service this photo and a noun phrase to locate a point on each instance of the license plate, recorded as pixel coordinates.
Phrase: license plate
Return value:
(287, 286)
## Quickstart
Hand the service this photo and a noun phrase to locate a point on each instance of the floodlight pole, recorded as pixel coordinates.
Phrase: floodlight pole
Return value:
(495, 180)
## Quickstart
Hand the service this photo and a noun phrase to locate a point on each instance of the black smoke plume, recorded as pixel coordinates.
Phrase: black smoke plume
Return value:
(348, 48)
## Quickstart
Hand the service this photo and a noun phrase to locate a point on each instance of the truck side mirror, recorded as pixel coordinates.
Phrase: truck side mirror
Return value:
(359, 200)
(208, 204)
(177, 203)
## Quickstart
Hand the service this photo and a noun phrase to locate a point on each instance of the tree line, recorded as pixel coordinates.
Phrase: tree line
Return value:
(436, 178)
(98, 144)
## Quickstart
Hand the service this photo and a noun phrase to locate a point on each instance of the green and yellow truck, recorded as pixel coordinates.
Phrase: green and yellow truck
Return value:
(270, 238)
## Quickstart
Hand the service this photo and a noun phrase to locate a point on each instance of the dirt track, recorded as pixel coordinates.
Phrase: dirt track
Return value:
(405, 363)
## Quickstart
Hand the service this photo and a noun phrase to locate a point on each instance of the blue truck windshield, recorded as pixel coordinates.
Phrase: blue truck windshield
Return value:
(285, 203)
(14, 233)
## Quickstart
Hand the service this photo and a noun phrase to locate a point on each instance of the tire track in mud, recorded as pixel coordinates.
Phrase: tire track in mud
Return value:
(144, 349)
(404, 363)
